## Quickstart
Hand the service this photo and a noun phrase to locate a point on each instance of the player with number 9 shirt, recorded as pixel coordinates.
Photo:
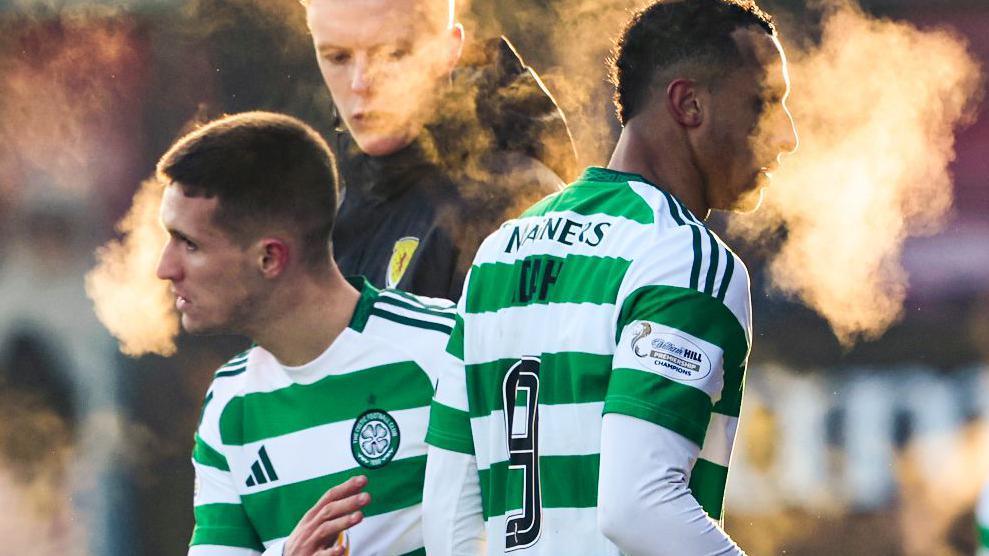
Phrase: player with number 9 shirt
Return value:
(605, 332)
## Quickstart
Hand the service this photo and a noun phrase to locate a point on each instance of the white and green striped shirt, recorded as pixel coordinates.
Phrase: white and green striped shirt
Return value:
(272, 439)
(608, 297)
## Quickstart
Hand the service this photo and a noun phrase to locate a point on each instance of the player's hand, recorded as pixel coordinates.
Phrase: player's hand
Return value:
(336, 511)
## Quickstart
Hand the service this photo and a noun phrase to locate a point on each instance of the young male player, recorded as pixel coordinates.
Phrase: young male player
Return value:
(606, 331)
(335, 390)
(439, 139)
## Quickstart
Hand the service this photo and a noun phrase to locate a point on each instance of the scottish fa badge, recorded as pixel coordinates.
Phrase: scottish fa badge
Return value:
(401, 255)
(374, 438)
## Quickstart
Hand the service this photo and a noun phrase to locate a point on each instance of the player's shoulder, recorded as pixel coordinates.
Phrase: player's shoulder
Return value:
(230, 378)
(418, 315)
(229, 381)
(414, 322)
(412, 328)
(690, 260)
(688, 254)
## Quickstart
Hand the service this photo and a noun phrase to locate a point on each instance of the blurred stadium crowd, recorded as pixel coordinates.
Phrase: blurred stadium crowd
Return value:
(876, 449)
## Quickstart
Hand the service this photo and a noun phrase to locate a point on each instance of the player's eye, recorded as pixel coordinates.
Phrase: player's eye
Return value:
(395, 54)
(337, 58)
(184, 242)
(765, 105)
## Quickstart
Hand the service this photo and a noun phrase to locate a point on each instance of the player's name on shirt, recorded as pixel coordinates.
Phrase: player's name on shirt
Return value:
(560, 229)
(609, 296)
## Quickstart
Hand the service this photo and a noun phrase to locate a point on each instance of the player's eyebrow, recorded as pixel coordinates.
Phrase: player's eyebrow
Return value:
(179, 235)
(400, 43)
(323, 48)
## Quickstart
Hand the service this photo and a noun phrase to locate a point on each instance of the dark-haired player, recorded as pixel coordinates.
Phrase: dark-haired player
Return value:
(606, 331)
(336, 389)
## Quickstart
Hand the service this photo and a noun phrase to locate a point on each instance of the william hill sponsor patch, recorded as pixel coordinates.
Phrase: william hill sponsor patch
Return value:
(669, 354)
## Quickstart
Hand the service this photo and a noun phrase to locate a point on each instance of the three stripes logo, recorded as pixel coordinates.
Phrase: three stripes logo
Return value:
(261, 470)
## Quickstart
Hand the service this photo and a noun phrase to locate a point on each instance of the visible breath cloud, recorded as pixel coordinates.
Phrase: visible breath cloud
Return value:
(130, 300)
(876, 103)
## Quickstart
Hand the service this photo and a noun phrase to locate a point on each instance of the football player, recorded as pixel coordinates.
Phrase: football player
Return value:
(605, 332)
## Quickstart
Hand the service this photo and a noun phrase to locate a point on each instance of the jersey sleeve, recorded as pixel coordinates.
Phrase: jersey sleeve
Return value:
(683, 330)
(644, 503)
(452, 520)
(222, 526)
(449, 420)
(683, 333)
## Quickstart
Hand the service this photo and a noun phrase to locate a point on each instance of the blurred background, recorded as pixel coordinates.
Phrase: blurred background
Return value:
(876, 444)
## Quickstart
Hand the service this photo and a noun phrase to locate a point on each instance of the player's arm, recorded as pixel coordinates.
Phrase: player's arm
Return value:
(451, 503)
(644, 503)
(222, 527)
(677, 374)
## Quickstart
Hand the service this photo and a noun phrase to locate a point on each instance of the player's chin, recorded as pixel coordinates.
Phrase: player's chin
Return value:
(749, 201)
(189, 324)
(193, 325)
(383, 143)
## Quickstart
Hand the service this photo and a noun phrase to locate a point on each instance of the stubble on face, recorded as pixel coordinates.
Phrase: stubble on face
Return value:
(753, 127)
(217, 288)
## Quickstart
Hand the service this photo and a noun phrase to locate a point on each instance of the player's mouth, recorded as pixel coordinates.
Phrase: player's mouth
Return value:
(768, 171)
(372, 119)
(182, 303)
(363, 117)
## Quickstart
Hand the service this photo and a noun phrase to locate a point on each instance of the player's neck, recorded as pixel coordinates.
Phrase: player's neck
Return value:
(310, 315)
(662, 159)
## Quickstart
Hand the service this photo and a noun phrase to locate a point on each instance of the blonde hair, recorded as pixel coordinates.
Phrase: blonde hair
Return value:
(451, 10)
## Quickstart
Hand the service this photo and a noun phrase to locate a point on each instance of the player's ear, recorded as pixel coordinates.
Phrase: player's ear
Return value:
(454, 46)
(273, 256)
(684, 102)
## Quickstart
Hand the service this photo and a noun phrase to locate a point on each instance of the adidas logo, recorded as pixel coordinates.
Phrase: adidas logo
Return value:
(261, 470)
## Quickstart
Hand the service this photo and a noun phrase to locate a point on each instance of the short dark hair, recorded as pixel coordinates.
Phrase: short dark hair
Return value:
(265, 169)
(664, 34)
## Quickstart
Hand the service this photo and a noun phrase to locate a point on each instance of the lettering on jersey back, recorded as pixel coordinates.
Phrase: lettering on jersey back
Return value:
(559, 229)
(536, 276)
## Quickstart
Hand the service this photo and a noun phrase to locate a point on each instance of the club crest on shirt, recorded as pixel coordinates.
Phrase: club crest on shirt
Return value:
(401, 255)
(671, 355)
(374, 439)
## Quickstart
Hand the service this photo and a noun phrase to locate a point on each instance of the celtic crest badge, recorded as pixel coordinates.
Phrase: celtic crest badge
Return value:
(374, 438)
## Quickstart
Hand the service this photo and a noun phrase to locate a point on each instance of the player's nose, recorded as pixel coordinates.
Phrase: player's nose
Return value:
(787, 139)
(361, 78)
(168, 265)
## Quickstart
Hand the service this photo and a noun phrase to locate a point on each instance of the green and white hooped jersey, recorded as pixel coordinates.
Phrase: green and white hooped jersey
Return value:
(273, 439)
(607, 297)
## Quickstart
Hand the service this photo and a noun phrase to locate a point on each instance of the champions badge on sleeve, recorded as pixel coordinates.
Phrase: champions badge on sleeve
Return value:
(401, 255)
